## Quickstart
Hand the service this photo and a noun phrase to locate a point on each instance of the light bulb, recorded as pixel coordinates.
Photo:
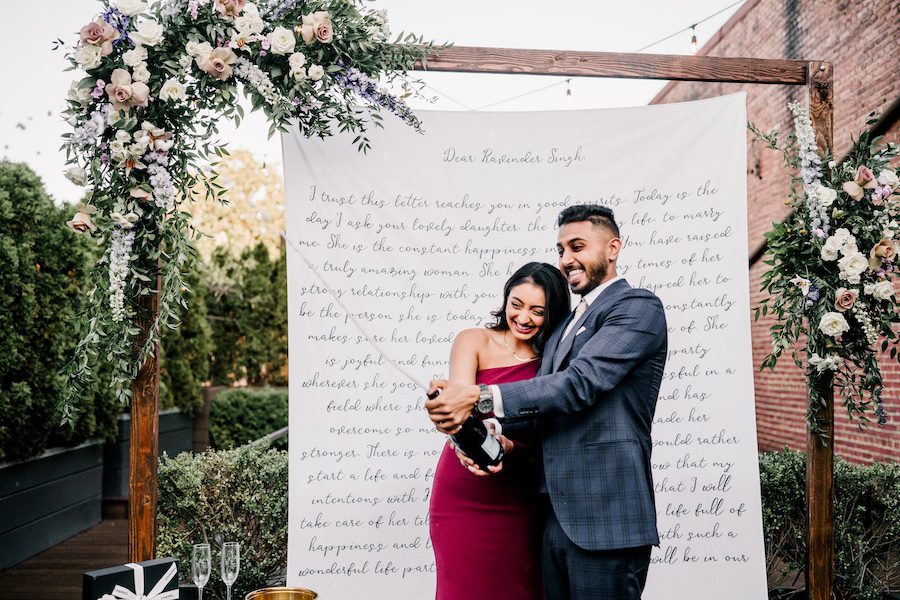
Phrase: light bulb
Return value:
(693, 41)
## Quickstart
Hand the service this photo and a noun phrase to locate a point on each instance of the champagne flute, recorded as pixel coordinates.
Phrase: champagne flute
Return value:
(231, 564)
(201, 566)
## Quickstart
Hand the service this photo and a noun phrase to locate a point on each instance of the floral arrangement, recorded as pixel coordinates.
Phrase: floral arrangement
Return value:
(159, 76)
(833, 265)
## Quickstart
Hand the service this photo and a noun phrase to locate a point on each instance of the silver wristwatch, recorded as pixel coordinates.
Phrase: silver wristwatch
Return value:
(485, 402)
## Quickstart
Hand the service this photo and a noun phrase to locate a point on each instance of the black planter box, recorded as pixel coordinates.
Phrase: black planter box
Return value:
(175, 437)
(48, 499)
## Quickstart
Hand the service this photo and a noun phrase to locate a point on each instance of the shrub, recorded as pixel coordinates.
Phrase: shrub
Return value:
(42, 264)
(867, 522)
(241, 415)
(221, 496)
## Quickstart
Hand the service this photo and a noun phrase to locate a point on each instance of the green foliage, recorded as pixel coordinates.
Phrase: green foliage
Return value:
(838, 243)
(242, 415)
(248, 316)
(222, 496)
(42, 264)
(186, 352)
(867, 522)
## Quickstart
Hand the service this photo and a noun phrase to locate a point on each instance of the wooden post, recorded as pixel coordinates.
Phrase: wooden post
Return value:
(820, 455)
(144, 450)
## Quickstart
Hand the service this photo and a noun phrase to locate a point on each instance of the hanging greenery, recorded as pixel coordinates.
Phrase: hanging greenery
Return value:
(160, 77)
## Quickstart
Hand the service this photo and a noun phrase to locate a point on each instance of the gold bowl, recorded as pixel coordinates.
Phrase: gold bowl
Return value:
(281, 593)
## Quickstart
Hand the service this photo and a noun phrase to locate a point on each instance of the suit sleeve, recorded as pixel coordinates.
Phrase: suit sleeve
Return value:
(633, 330)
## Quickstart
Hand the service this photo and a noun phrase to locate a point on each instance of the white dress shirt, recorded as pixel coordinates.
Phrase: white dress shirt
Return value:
(589, 298)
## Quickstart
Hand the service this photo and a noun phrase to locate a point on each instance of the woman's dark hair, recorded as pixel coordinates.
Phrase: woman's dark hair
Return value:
(556, 292)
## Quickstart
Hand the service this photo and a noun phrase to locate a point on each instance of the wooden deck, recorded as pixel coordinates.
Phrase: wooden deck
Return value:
(55, 574)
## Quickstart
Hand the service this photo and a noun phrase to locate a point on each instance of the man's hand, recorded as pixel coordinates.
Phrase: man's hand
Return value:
(452, 406)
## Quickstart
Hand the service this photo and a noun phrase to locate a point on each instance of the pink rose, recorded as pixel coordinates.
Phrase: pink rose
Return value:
(218, 63)
(100, 33)
(844, 299)
(882, 250)
(230, 8)
(123, 93)
(119, 89)
(324, 32)
(92, 33)
(864, 177)
(316, 26)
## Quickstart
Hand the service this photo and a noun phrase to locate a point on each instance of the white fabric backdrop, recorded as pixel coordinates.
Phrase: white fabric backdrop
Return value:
(415, 240)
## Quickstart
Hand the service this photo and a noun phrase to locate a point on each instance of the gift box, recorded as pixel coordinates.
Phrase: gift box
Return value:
(148, 580)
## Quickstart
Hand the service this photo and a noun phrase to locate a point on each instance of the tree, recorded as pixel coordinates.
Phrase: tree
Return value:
(42, 266)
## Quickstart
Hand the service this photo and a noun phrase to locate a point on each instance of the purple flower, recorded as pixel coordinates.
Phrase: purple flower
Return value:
(120, 21)
(365, 87)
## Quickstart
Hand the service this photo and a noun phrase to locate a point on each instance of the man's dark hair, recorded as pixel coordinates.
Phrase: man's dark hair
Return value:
(595, 213)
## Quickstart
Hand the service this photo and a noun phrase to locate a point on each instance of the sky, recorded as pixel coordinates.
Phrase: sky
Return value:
(35, 83)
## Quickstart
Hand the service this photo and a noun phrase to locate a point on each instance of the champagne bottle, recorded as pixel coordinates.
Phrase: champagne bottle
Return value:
(475, 441)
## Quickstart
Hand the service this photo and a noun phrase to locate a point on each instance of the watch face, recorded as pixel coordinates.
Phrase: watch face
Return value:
(485, 405)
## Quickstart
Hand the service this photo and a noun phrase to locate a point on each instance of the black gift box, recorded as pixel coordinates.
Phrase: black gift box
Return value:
(97, 583)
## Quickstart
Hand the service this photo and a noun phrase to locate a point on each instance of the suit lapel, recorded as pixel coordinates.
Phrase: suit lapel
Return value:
(605, 297)
(550, 347)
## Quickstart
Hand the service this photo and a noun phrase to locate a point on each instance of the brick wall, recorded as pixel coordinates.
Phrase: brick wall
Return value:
(861, 38)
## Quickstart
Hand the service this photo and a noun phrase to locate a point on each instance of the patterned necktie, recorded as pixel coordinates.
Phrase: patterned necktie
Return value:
(579, 310)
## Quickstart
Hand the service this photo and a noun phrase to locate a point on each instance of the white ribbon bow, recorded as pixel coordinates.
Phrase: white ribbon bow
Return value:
(120, 593)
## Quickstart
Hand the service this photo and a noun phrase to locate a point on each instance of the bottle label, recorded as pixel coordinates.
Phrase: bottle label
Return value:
(491, 446)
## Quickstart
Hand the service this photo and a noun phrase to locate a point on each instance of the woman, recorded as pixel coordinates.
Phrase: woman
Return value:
(483, 529)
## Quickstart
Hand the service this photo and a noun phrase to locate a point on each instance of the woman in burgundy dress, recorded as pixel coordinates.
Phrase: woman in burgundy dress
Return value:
(483, 528)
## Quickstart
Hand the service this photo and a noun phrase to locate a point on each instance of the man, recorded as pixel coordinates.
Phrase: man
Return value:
(593, 403)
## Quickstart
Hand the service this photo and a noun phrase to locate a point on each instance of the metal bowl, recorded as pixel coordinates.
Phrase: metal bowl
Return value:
(281, 593)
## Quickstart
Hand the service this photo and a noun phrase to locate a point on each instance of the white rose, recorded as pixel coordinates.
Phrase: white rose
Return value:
(828, 254)
(185, 61)
(833, 324)
(849, 247)
(854, 279)
(883, 290)
(78, 93)
(282, 40)
(831, 247)
(191, 47)
(843, 235)
(130, 7)
(203, 49)
(297, 60)
(826, 195)
(888, 177)
(890, 230)
(148, 33)
(172, 90)
(135, 56)
(76, 175)
(88, 56)
(316, 72)
(250, 9)
(248, 24)
(299, 74)
(853, 264)
(141, 73)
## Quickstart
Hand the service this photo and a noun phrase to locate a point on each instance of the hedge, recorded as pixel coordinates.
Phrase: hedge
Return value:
(241, 415)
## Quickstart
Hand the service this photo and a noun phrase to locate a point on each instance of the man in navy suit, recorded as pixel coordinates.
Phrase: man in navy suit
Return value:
(592, 404)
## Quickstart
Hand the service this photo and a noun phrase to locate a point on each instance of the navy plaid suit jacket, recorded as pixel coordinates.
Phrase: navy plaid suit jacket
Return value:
(594, 399)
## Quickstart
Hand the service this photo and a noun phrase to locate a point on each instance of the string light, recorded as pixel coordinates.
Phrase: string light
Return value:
(568, 87)
(693, 39)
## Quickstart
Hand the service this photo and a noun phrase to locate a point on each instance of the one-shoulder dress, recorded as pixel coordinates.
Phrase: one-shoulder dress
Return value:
(484, 529)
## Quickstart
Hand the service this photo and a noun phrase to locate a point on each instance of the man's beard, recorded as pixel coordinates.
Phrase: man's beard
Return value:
(594, 275)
